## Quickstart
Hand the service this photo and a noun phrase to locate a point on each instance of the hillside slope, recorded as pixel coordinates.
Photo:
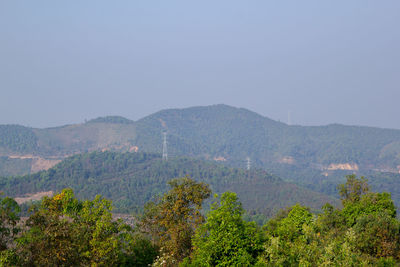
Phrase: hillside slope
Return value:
(131, 179)
(313, 156)
(217, 131)
(236, 133)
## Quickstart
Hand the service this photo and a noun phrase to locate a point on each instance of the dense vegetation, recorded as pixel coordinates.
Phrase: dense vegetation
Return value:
(295, 153)
(216, 131)
(14, 166)
(15, 138)
(132, 179)
(64, 231)
(315, 181)
(237, 133)
(71, 139)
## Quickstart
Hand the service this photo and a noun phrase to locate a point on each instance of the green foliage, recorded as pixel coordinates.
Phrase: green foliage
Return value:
(63, 231)
(291, 227)
(235, 133)
(353, 189)
(222, 131)
(378, 235)
(314, 180)
(16, 138)
(291, 238)
(331, 223)
(217, 131)
(173, 219)
(226, 239)
(371, 203)
(9, 210)
(358, 201)
(132, 179)
(364, 233)
(13, 166)
(253, 216)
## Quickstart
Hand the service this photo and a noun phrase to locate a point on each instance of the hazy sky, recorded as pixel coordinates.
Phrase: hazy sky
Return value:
(327, 62)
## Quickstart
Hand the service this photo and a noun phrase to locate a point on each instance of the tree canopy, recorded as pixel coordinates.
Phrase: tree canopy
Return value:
(65, 231)
(172, 220)
(226, 239)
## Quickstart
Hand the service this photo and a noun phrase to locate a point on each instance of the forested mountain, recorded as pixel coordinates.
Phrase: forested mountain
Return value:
(317, 157)
(237, 133)
(131, 179)
(215, 131)
(102, 133)
(17, 139)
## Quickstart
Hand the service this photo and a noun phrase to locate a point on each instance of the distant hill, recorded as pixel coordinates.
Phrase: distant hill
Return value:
(236, 133)
(102, 133)
(218, 131)
(17, 139)
(226, 134)
(131, 179)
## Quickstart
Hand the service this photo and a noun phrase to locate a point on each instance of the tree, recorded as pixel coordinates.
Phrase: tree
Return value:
(370, 203)
(291, 238)
(226, 239)
(378, 235)
(9, 210)
(352, 190)
(63, 231)
(172, 220)
(358, 201)
(291, 227)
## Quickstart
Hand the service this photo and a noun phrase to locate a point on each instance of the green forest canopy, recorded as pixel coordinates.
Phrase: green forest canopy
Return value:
(132, 179)
(65, 231)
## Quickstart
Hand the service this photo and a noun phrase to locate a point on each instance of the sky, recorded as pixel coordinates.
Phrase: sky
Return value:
(62, 62)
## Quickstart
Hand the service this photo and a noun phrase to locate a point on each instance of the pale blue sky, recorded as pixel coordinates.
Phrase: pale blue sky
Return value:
(327, 61)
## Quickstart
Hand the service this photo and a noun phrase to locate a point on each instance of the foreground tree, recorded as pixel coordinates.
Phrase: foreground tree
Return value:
(358, 201)
(9, 210)
(353, 189)
(291, 239)
(365, 232)
(172, 220)
(226, 239)
(63, 231)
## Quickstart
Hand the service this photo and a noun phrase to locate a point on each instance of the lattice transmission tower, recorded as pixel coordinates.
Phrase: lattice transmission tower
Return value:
(164, 147)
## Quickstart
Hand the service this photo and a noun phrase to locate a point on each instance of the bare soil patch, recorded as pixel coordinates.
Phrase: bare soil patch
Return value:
(33, 197)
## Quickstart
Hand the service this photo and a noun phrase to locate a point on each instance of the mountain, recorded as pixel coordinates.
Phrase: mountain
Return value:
(235, 133)
(215, 131)
(26, 150)
(131, 179)
(314, 156)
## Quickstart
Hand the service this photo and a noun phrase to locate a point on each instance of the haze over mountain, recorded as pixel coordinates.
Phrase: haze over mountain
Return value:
(315, 157)
(222, 132)
(326, 62)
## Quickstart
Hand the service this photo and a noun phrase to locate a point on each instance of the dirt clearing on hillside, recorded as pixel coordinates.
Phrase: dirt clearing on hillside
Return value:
(33, 197)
